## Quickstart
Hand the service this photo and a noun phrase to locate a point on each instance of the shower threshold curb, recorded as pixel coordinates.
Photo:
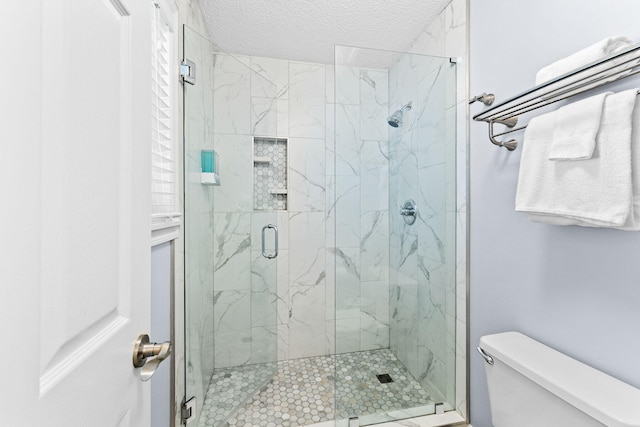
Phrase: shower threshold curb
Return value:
(450, 418)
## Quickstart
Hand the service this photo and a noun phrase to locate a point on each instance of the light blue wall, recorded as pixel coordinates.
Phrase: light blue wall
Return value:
(573, 288)
(161, 281)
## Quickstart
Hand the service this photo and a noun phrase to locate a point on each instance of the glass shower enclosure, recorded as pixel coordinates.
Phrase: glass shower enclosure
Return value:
(394, 233)
(309, 298)
(230, 244)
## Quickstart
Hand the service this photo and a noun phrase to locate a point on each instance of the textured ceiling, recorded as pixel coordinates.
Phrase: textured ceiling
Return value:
(308, 30)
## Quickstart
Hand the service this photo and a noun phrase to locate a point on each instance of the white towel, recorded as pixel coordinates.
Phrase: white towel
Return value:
(576, 128)
(633, 221)
(583, 57)
(595, 192)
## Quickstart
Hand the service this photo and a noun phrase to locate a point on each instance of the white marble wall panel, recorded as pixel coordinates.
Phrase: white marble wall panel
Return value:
(232, 94)
(374, 104)
(283, 305)
(374, 316)
(283, 341)
(264, 341)
(432, 308)
(348, 283)
(264, 297)
(451, 156)
(403, 165)
(330, 336)
(431, 202)
(347, 211)
(235, 162)
(431, 145)
(330, 134)
(374, 175)
(307, 324)
(269, 77)
(348, 334)
(282, 116)
(374, 246)
(232, 251)
(404, 243)
(347, 146)
(330, 290)
(306, 100)
(264, 116)
(347, 85)
(330, 213)
(330, 80)
(232, 323)
(405, 319)
(307, 176)
(307, 284)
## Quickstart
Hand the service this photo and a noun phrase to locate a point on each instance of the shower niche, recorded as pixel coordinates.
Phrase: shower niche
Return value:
(270, 174)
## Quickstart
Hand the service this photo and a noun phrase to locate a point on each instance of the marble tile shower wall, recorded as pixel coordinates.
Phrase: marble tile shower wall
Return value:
(256, 96)
(422, 167)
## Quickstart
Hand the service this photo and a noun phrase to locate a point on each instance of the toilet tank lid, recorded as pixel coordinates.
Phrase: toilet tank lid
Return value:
(604, 398)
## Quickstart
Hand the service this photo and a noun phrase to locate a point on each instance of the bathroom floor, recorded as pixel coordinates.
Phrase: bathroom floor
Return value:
(302, 391)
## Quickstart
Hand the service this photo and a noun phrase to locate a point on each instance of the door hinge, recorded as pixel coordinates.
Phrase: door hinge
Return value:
(188, 71)
(188, 411)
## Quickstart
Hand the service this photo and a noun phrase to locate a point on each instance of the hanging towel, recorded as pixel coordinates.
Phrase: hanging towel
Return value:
(595, 192)
(633, 221)
(576, 127)
(583, 57)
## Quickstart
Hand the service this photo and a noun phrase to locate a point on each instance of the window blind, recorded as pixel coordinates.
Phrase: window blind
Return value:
(164, 197)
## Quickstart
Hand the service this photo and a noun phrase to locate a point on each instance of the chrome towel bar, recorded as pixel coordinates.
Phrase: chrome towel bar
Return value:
(611, 68)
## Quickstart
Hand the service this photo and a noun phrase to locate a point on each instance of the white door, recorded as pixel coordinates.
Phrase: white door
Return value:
(74, 173)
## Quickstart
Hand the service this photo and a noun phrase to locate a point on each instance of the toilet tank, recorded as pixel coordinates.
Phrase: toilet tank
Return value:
(532, 385)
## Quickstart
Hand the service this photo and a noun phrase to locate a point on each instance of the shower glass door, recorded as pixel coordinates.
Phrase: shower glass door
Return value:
(395, 279)
(231, 235)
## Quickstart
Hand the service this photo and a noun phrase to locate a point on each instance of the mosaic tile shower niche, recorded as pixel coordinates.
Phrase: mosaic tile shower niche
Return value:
(270, 174)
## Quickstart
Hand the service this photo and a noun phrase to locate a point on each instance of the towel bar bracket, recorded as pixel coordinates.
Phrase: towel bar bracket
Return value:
(511, 144)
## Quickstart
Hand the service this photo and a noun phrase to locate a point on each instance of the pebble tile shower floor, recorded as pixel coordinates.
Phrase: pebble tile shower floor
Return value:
(302, 391)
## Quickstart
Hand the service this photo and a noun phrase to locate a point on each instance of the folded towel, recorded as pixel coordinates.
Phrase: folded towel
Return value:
(576, 127)
(633, 221)
(583, 57)
(595, 192)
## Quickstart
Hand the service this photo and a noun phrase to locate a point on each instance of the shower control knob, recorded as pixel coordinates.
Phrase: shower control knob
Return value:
(409, 211)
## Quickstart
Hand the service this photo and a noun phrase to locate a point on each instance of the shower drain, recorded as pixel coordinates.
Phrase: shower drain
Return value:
(384, 378)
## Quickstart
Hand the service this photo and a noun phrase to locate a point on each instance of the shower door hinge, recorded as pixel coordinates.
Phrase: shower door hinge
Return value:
(439, 408)
(188, 71)
(188, 411)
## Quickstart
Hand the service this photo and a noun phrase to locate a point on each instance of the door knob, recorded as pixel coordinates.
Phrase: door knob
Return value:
(143, 349)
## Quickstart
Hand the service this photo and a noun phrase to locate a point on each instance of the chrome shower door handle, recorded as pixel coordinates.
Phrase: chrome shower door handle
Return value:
(264, 251)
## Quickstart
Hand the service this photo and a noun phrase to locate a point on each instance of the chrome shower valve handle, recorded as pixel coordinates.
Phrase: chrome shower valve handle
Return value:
(409, 211)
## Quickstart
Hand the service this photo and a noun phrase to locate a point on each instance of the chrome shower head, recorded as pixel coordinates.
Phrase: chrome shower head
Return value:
(395, 120)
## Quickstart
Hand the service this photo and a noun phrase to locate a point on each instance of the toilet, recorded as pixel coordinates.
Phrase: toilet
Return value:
(532, 385)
